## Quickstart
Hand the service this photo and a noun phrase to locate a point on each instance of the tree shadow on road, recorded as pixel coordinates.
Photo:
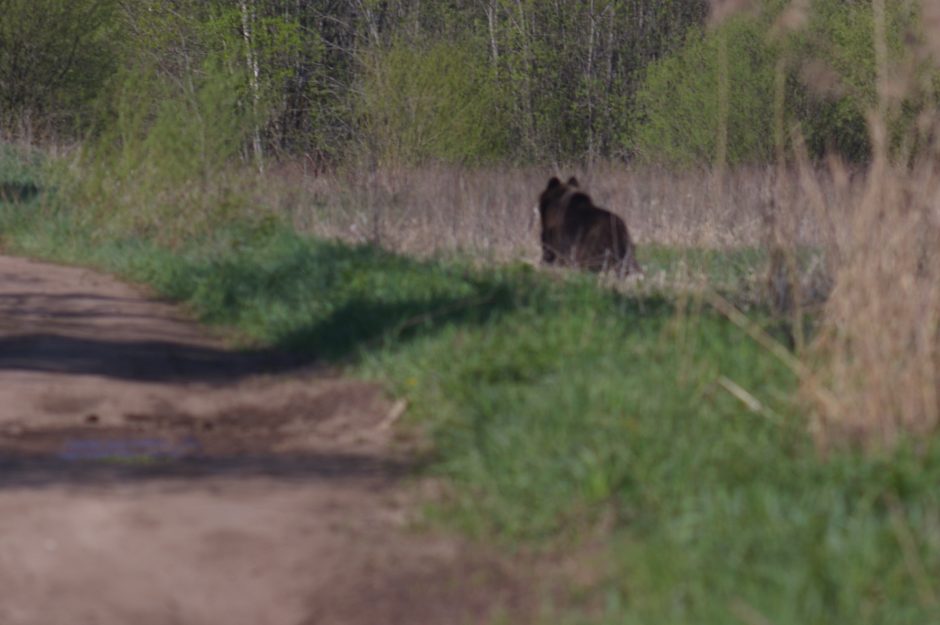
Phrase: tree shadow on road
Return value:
(36, 471)
(141, 361)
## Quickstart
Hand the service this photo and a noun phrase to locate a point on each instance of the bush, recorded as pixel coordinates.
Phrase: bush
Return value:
(432, 102)
(839, 39)
(830, 86)
(679, 100)
(163, 162)
(54, 58)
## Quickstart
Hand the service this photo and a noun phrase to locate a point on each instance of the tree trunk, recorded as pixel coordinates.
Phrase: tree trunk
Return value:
(254, 81)
(490, 9)
(589, 74)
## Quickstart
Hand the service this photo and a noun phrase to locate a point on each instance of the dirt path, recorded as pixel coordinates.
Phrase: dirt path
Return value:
(150, 476)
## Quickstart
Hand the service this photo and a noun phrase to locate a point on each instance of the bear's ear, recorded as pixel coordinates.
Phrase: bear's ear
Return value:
(554, 183)
(573, 182)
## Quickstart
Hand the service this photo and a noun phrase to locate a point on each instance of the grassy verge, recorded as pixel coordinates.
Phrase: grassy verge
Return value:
(557, 407)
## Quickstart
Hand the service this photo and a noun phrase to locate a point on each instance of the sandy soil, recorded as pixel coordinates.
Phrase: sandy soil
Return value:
(149, 475)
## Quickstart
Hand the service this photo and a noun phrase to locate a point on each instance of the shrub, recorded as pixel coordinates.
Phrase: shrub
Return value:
(678, 104)
(54, 57)
(436, 101)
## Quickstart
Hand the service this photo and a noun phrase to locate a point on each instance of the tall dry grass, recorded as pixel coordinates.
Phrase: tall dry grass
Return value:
(488, 212)
(875, 360)
(872, 373)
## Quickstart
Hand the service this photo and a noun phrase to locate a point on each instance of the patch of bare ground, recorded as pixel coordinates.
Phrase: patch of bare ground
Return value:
(150, 475)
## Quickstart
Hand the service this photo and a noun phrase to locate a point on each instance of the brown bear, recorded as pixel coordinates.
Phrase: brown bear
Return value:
(576, 232)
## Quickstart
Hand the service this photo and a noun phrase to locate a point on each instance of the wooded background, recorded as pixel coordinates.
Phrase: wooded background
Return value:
(465, 81)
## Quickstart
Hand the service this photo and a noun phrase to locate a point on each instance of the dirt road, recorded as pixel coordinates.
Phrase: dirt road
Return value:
(150, 476)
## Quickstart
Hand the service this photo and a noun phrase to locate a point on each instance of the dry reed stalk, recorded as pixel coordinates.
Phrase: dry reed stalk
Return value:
(877, 349)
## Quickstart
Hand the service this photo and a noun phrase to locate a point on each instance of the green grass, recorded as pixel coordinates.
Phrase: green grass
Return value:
(19, 170)
(723, 268)
(555, 407)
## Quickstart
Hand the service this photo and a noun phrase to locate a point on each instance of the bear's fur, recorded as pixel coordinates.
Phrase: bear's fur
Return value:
(575, 232)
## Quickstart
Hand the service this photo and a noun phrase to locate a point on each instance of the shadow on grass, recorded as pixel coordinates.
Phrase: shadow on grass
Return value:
(307, 301)
(377, 299)
(17, 191)
(362, 323)
(334, 301)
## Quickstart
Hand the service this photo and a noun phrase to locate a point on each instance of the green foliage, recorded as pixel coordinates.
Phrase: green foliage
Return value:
(839, 39)
(435, 101)
(177, 120)
(527, 80)
(829, 89)
(20, 164)
(550, 80)
(54, 58)
(840, 36)
(20, 171)
(162, 165)
(291, 63)
(679, 103)
(573, 68)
